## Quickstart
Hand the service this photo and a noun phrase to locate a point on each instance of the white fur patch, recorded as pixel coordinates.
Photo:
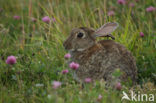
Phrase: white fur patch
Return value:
(80, 49)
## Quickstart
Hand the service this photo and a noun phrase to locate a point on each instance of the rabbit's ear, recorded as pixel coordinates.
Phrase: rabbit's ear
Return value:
(105, 29)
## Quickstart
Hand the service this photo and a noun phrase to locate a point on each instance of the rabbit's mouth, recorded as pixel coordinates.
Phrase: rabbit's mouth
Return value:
(78, 50)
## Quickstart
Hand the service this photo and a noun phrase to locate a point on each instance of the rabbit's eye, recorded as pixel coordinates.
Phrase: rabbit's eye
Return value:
(80, 35)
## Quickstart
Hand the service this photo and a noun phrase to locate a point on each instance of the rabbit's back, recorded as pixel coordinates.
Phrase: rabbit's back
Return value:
(118, 58)
(100, 60)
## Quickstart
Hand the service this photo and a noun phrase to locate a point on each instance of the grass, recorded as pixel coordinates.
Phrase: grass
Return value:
(40, 53)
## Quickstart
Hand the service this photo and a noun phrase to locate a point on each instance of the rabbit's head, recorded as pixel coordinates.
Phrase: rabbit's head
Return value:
(82, 38)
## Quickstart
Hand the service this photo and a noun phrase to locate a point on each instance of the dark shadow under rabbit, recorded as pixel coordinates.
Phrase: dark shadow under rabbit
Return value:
(99, 59)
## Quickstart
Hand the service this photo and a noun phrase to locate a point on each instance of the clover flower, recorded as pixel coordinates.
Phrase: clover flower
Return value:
(150, 9)
(74, 65)
(111, 13)
(121, 2)
(16, 17)
(131, 4)
(46, 19)
(67, 56)
(118, 86)
(88, 80)
(65, 71)
(56, 84)
(99, 97)
(141, 34)
(11, 60)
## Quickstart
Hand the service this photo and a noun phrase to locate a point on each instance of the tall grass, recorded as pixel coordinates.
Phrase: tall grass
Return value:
(39, 50)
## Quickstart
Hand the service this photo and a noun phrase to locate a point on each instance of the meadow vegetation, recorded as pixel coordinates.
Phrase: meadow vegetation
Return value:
(33, 32)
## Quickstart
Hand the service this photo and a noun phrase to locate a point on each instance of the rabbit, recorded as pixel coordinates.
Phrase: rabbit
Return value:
(99, 59)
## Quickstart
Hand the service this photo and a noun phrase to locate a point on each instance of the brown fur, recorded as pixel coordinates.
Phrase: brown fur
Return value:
(100, 59)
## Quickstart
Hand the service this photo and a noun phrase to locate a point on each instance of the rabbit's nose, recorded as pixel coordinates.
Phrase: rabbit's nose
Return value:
(66, 45)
